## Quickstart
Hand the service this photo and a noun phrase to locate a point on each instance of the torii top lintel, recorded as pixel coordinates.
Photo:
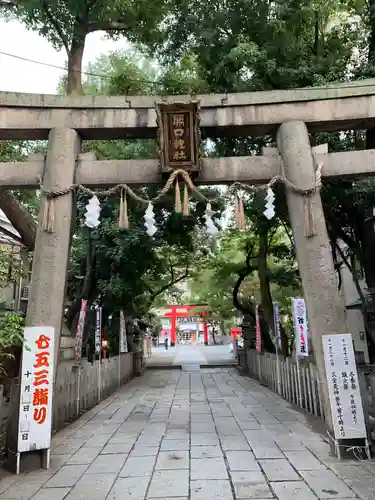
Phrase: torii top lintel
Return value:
(189, 310)
(334, 107)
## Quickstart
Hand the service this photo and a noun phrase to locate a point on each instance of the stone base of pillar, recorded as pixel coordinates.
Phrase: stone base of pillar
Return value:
(172, 344)
(206, 343)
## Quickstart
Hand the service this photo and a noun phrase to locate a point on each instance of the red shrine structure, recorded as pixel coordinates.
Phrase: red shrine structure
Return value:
(174, 312)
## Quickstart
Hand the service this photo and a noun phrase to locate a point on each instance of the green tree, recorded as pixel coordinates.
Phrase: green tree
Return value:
(258, 45)
(245, 46)
(124, 268)
(229, 280)
(67, 23)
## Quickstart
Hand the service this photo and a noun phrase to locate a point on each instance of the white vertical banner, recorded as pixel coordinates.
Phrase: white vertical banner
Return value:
(79, 334)
(276, 321)
(36, 391)
(300, 326)
(123, 347)
(78, 349)
(98, 331)
(98, 347)
(258, 338)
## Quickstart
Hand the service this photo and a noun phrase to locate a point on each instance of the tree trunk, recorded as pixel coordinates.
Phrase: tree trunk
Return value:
(264, 282)
(367, 236)
(250, 311)
(75, 55)
(265, 292)
(87, 287)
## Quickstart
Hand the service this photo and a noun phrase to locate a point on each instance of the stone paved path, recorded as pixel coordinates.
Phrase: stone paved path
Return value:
(199, 436)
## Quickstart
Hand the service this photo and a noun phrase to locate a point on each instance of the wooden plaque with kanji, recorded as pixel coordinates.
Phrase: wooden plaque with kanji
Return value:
(178, 135)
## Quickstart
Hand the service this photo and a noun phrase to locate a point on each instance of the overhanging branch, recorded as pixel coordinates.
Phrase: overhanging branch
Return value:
(107, 26)
(164, 288)
(55, 25)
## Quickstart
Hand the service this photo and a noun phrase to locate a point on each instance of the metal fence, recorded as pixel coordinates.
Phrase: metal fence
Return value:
(296, 383)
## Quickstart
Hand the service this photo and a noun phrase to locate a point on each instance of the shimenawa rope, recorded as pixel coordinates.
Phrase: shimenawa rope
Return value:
(125, 190)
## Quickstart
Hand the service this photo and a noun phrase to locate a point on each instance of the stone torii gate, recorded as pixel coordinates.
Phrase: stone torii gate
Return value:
(288, 115)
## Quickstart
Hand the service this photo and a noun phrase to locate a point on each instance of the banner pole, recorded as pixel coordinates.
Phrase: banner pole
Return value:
(258, 341)
(276, 320)
(301, 342)
(98, 348)
(78, 350)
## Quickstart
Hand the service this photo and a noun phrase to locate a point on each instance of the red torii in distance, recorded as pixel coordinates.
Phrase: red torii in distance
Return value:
(175, 312)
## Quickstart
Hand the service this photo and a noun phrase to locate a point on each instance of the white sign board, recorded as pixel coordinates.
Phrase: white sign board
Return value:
(35, 418)
(123, 341)
(300, 327)
(343, 386)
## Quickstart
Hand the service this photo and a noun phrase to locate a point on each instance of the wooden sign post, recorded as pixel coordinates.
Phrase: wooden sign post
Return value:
(36, 392)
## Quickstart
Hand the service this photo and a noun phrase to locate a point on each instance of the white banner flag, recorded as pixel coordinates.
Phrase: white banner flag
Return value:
(276, 321)
(300, 326)
(79, 334)
(98, 331)
(123, 341)
(258, 338)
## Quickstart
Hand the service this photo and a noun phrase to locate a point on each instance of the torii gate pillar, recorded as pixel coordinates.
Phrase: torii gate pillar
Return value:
(52, 250)
(326, 311)
(50, 263)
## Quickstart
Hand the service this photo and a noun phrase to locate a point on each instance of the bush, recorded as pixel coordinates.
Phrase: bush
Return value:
(11, 336)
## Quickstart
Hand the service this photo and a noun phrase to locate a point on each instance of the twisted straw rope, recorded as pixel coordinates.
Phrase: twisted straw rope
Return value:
(128, 190)
(282, 179)
(310, 229)
(186, 178)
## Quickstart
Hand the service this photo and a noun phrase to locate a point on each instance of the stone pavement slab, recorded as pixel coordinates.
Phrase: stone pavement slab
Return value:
(292, 490)
(92, 487)
(218, 490)
(325, 484)
(130, 488)
(169, 483)
(52, 494)
(205, 435)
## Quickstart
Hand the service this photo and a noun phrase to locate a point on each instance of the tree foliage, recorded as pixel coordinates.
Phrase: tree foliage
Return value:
(67, 23)
(227, 46)
(125, 268)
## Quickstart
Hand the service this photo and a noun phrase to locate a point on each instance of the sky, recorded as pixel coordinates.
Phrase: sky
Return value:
(23, 76)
